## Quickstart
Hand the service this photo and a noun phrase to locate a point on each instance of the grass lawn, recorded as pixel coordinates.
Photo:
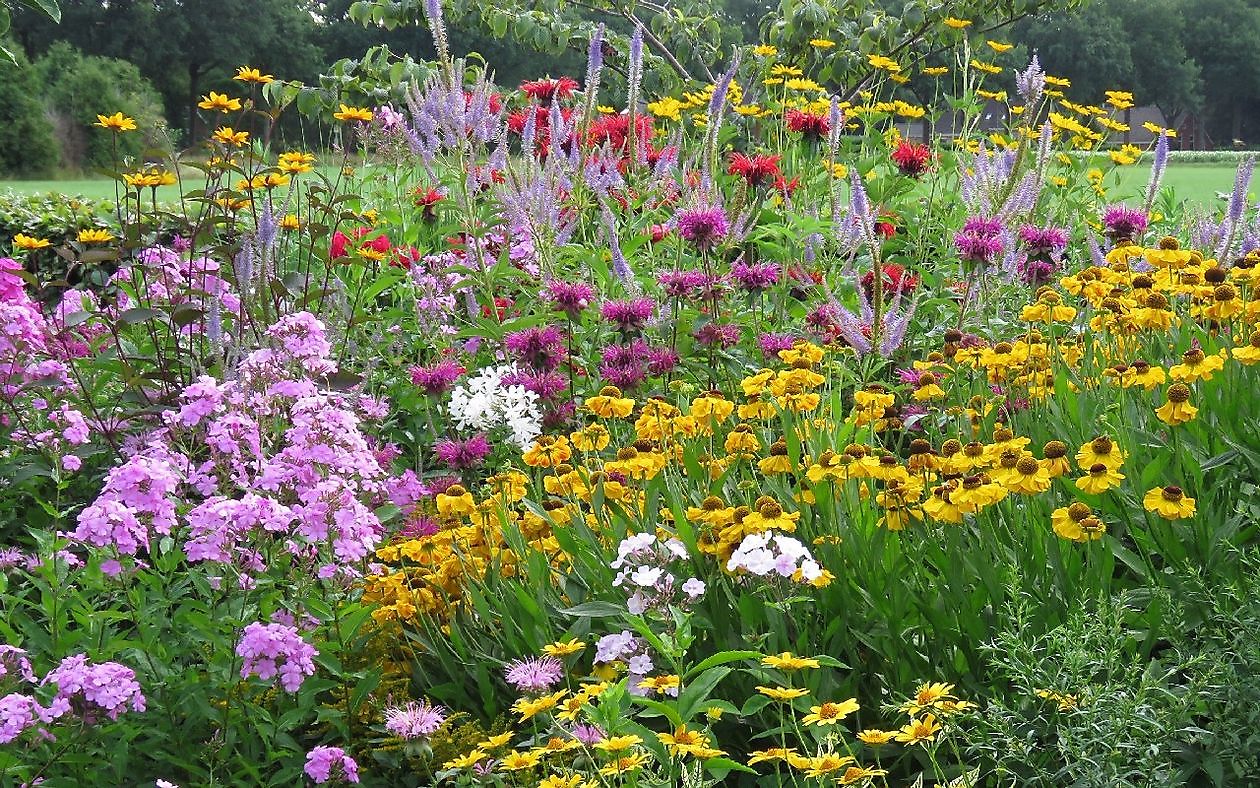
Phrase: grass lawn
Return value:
(1197, 183)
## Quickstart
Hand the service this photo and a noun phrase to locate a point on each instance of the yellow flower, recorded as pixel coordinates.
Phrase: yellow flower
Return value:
(919, 731)
(667, 107)
(618, 743)
(772, 754)
(229, 136)
(1100, 450)
(884, 63)
(347, 113)
(826, 763)
(860, 774)
(95, 236)
(935, 71)
(821, 43)
(765, 50)
(1196, 365)
(782, 694)
(684, 741)
(666, 683)
(1168, 502)
(1120, 99)
(29, 243)
(495, 742)
(562, 648)
(290, 222)
(874, 737)
(219, 102)
(1066, 702)
(295, 162)
(573, 781)
(830, 713)
(1099, 479)
(624, 765)
(610, 404)
(247, 74)
(530, 707)
(928, 696)
(117, 122)
(957, 24)
(839, 170)
(988, 68)
(1177, 410)
(786, 661)
(466, 761)
(517, 761)
(998, 47)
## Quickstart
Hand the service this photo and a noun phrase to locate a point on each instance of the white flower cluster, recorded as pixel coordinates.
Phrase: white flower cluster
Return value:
(643, 567)
(770, 553)
(484, 403)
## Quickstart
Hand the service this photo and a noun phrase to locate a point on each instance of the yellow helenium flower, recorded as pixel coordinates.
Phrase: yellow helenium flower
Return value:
(1170, 503)
(1099, 478)
(957, 24)
(1177, 410)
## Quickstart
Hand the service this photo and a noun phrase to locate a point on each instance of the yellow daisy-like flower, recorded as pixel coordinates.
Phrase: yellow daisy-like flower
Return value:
(1099, 479)
(988, 68)
(1177, 410)
(29, 243)
(117, 122)
(830, 713)
(873, 737)
(618, 743)
(821, 43)
(295, 162)
(95, 236)
(782, 694)
(935, 71)
(247, 74)
(884, 63)
(957, 24)
(998, 47)
(572, 781)
(919, 731)
(624, 765)
(669, 108)
(229, 136)
(518, 761)
(563, 648)
(826, 763)
(219, 102)
(466, 761)
(1170, 503)
(290, 222)
(765, 50)
(348, 113)
(788, 662)
(495, 742)
(531, 707)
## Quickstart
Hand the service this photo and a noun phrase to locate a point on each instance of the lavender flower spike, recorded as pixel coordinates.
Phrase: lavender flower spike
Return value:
(1031, 82)
(1157, 169)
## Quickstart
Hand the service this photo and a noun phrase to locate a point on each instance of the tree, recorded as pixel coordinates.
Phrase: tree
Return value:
(27, 146)
(1221, 36)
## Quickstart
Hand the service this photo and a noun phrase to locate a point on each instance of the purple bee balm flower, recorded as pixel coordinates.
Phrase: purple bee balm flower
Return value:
(1043, 241)
(1036, 271)
(462, 455)
(1122, 221)
(569, 297)
(681, 284)
(662, 360)
(755, 277)
(771, 344)
(414, 720)
(980, 240)
(588, 734)
(541, 348)
(438, 378)
(628, 315)
(721, 335)
(703, 227)
(535, 674)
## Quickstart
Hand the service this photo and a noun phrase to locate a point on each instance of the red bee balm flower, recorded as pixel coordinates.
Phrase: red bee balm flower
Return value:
(808, 123)
(427, 200)
(897, 282)
(755, 169)
(912, 159)
(544, 90)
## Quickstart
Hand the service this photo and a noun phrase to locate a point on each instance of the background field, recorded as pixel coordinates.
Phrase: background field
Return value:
(1197, 183)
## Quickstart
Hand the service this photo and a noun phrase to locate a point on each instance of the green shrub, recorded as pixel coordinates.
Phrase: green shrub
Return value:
(27, 145)
(78, 87)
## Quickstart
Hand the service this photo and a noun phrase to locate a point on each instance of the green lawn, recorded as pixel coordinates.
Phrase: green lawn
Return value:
(1198, 183)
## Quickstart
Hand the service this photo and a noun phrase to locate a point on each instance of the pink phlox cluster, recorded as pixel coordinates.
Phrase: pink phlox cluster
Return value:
(329, 763)
(268, 650)
(104, 688)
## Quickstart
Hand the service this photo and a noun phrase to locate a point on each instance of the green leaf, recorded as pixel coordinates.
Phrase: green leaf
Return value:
(698, 691)
(51, 8)
(594, 610)
(721, 658)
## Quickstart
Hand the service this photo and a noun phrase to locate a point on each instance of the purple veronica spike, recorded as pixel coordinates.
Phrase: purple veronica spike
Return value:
(1031, 81)
(1157, 169)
